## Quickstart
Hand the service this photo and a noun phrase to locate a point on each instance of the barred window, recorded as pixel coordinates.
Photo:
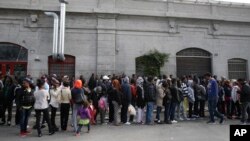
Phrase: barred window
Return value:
(237, 68)
(193, 52)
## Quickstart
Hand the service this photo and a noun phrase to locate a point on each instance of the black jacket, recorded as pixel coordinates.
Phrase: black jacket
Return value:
(26, 98)
(150, 92)
(140, 100)
(245, 93)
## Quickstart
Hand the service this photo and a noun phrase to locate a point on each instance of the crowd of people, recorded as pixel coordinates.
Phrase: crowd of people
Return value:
(124, 99)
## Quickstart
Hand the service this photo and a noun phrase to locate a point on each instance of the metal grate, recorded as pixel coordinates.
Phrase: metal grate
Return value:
(237, 68)
(193, 52)
(60, 68)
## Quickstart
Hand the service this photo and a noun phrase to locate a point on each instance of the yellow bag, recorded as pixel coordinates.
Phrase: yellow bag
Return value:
(83, 122)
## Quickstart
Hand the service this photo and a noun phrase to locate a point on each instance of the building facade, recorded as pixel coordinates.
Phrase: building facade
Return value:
(106, 36)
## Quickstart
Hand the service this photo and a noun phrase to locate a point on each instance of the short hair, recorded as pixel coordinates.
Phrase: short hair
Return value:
(150, 79)
(208, 74)
(40, 83)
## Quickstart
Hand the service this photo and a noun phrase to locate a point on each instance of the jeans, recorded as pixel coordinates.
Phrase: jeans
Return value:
(74, 116)
(149, 113)
(245, 106)
(24, 114)
(172, 110)
(64, 115)
(167, 112)
(17, 116)
(181, 111)
(140, 115)
(46, 117)
(80, 127)
(212, 104)
(158, 113)
(102, 115)
(53, 116)
(116, 112)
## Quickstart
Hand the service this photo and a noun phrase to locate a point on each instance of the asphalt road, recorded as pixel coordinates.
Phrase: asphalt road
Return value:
(183, 131)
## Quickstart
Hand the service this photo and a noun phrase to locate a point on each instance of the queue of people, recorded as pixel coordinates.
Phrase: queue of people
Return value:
(127, 100)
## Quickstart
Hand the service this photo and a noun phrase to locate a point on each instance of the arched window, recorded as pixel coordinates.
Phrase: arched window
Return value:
(61, 68)
(237, 68)
(13, 59)
(193, 61)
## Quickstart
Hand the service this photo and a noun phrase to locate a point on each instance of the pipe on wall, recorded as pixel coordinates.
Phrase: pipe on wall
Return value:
(55, 33)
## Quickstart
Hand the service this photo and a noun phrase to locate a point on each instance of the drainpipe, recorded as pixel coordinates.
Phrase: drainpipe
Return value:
(55, 33)
(62, 29)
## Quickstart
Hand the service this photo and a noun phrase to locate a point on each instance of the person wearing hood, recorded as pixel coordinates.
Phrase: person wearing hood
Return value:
(76, 93)
(126, 100)
(140, 101)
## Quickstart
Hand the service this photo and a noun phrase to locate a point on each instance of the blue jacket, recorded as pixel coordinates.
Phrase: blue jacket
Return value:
(212, 89)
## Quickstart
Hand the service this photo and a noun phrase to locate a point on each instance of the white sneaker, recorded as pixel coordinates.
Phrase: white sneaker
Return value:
(174, 121)
(181, 119)
(128, 123)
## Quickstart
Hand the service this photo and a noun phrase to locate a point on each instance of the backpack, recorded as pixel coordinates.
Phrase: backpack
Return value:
(102, 103)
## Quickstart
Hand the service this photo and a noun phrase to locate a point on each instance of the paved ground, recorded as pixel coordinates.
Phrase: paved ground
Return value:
(183, 131)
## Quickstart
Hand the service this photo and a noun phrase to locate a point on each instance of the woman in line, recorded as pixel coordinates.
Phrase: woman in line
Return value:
(41, 106)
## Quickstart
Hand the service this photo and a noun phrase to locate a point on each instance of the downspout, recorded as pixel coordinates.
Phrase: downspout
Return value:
(62, 29)
(55, 33)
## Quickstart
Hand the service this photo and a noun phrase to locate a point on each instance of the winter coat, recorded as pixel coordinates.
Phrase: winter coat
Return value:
(160, 94)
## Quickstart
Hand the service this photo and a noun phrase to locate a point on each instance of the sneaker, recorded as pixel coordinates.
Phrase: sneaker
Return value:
(9, 123)
(211, 122)
(40, 135)
(128, 123)
(2, 122)
(174, 121)
(181, 119)
(168, 122)
(51, 133)
(23, 134)
(221, 120)
(159, 121)
(43, 126)
(28, 132)
(243, 123)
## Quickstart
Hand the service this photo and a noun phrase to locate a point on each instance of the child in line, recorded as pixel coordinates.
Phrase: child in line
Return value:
(84, 114)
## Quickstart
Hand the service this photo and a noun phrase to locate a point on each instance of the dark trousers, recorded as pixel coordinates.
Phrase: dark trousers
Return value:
(102, 115)
(238, 108)
(111, 112)
(24, 114)
(46, 117)
(228, 106)
(172, 110)
(65, 107)
(8, 107)
(158, 112)
(202, 108)
(17, 116)
(190, 111)
(221, 106)
(124, 113)
(245, 106)
(80, 128)
(212, 103)
(196, 107)
(53, 117)
(167, 112)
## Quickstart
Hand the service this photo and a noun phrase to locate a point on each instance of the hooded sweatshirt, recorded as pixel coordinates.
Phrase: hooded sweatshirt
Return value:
(77, 90)
(126, 90)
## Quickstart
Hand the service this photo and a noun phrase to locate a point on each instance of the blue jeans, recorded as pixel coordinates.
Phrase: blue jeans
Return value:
(24, 114)
(172, 110)
(149, 113)
(158, 114)
(167, 111)
(212, 104)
